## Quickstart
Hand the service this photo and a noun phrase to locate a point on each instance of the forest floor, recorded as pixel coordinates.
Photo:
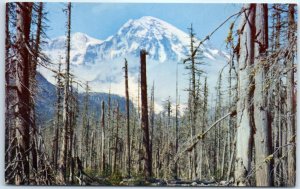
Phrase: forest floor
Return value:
(152, 182)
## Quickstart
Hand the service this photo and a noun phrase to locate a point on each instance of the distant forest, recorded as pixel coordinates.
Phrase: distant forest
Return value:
(246, 136)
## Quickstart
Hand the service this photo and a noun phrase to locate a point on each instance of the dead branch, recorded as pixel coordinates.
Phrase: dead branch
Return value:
(200, 136)
(209, 35)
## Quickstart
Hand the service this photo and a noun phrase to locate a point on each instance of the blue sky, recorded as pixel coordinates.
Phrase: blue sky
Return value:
(100, 20)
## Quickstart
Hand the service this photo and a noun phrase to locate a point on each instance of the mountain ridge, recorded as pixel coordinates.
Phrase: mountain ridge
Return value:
(101, 62)
(160, 39)
(46, 98)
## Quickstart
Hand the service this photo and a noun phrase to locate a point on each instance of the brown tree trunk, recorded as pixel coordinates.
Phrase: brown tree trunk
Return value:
(262, 136)
(35, 151)
(145, 122)
(128, 120)
(291, 103)
(22, 108)
(8, 72)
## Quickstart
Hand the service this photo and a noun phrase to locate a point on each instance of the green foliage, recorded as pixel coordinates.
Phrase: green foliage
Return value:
(115, 178)
(217, 174)
(92, 172)
(108, 171)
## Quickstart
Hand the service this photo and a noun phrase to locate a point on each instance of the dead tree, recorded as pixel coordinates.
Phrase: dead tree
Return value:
(116, 137)
(73, 122)
(176, 125)
(34, 61)
(245, 89)
(85, 133)
(145, 121)
(128, 119)
(59, 93)
(193, 59)
(277, 123)
(152, 117)
(8, 72)
(64, 149)
(102, 137)
(167, 136)
(291, 103)
(218, 113)
(22, 108)
(39, 31)
(262, 136)
(109, 128)
(204, 122)
(10, 93)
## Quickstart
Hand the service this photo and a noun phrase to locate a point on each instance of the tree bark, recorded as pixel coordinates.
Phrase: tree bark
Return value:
(64, 149)
(58, 116)
(128, 119)
(102, 138)
(22, 108)
(145, 121)
(262, 136)
(7, 74)
(176, 126)
(117, 136)
(291, 103)
(245, 88)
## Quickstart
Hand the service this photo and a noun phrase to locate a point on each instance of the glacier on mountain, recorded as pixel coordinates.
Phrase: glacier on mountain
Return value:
(101, 61)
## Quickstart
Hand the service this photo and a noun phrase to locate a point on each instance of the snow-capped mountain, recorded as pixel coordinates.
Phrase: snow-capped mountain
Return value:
(160, 39)
(101, 62)
(80, 42)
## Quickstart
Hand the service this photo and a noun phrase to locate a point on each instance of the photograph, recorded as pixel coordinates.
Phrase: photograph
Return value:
(150, 94)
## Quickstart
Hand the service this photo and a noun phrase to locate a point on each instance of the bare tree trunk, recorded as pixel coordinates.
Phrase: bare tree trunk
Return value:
(262, 137)
(204, 123)
(194, 101)
(92, 150)
(8, 72)
(35, 151)
(176, 125)
(109, 127)
(64, 149)
(152, 122)
(291, 103)
(128, 119)
(117, 135)
(245, 87)
(58, 116)
(278, 133)
(71, 132)
(38, 38)
(231, 161)
(277, 138)
(145, 121)
(102, 138)
(85, 132)
(223, 159)
(22, 108)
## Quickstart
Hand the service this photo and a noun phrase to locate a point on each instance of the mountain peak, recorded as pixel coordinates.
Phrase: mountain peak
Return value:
(151, 19)
(154, 25)
(83, 38)
(78, 36)
(163, 42)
